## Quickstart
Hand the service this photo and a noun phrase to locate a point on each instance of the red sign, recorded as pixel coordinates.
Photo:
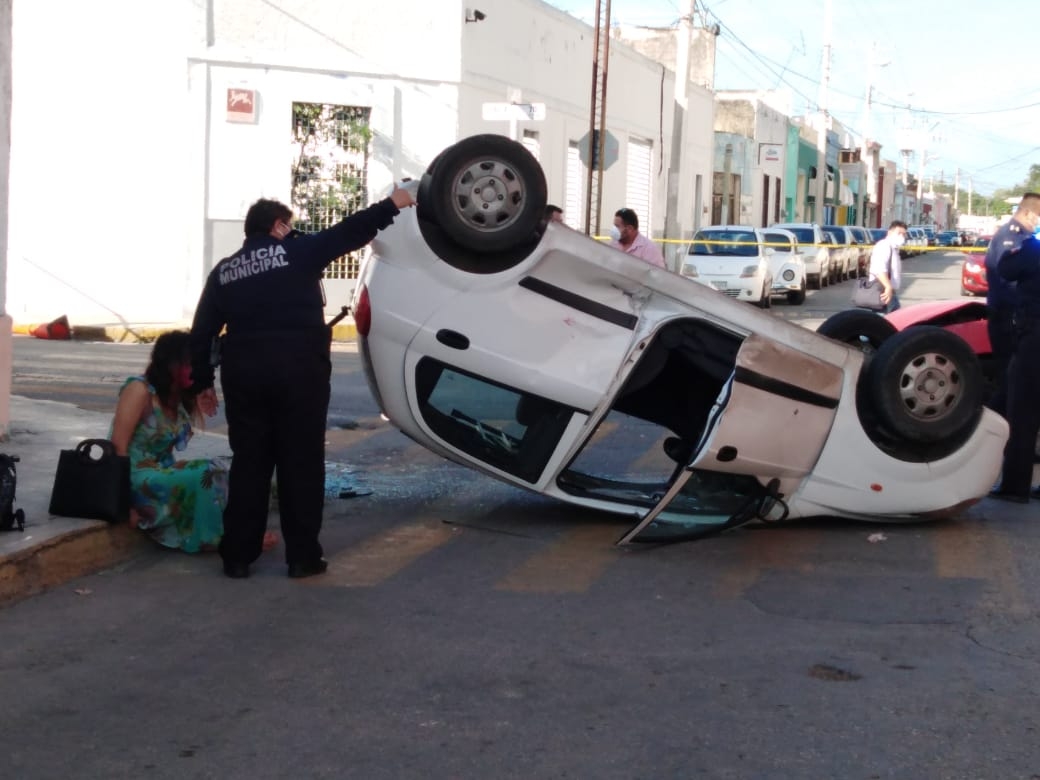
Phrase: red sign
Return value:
(241, 105)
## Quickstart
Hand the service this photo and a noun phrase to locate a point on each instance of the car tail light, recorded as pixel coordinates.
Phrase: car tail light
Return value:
(363, 313)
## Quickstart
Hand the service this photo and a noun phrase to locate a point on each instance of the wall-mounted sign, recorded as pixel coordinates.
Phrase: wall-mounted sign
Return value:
(769, 153)
(241, 105)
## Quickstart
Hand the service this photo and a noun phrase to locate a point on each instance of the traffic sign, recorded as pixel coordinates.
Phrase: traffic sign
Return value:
(513, 112)
(587, 150)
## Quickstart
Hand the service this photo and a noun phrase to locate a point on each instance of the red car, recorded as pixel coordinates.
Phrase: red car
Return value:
(973, 270)
(868, 330)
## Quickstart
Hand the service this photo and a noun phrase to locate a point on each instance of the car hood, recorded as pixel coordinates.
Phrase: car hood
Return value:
(924, 313)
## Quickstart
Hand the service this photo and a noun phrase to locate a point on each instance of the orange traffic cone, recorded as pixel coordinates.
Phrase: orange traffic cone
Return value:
(58, 329)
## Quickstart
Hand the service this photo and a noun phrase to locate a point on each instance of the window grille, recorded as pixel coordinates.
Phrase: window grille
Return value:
(330, 171)
(639, 183)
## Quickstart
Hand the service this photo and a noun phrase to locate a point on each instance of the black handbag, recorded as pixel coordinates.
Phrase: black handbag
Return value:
(92, 482)
(867, 294)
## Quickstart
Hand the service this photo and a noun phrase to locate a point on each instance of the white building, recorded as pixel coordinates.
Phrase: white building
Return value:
(136, 149)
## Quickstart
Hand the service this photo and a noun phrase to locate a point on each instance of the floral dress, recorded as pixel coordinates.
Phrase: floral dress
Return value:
(180, 502)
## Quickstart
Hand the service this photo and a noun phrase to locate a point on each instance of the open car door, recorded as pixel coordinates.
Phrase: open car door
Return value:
(763, 436)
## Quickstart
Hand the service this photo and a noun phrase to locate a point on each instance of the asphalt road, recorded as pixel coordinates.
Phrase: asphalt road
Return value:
(470, 630)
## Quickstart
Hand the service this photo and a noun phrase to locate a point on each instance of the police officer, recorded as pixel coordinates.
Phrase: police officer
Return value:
(1001, 295)
(1023, 381)
(275, 372)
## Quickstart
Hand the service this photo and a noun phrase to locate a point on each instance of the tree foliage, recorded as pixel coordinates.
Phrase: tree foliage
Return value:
(1031, 184)
(329, 168)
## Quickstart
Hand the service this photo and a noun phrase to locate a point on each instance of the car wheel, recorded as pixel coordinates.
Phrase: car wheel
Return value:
(797, 297)
(925, 385)
(858, 328)
(486, 193)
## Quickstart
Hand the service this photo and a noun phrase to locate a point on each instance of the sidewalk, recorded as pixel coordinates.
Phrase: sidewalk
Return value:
(53, 550)
(132, 333)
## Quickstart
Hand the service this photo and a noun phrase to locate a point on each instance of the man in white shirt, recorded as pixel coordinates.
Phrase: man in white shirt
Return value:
(626, 237)
(886, 266)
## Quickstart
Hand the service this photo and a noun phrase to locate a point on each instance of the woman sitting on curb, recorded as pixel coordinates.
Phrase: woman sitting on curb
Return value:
(180, 503)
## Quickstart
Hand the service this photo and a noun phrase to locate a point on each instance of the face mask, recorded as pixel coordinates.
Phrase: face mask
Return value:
(183, 377)
(615, 234)
(898, 239)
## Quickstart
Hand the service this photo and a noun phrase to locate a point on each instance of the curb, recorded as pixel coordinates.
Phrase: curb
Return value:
(67, 556)
(146, 334)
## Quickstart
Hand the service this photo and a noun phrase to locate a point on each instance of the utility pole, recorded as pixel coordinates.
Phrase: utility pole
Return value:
(956, 187)
(597, 117)
(821, 134)
(683, 37)
(867, 161)
(923, 143)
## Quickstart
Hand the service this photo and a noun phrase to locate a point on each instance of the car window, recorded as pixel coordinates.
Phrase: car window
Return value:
(779, 242)
(508, 429)
(834, 237)
(804, 235)
(726, 243)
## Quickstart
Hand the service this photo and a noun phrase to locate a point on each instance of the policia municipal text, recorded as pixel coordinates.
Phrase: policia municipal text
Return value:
(275, 373)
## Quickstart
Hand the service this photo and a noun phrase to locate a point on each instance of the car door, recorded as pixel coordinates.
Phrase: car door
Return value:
(476, 368)
(764, 436)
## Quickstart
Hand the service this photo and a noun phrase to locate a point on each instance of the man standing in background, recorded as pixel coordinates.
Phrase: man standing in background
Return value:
(626, 237)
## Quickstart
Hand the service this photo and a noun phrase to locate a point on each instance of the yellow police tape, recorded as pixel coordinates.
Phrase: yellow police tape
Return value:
(965, 249)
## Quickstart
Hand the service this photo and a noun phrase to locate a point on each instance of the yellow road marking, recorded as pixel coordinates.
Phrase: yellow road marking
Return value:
(569, 565)
(380, 557)
(654, 461)
(783, 549)
(972, 551)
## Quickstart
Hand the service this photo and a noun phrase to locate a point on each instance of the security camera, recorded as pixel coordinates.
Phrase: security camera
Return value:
(479, 16)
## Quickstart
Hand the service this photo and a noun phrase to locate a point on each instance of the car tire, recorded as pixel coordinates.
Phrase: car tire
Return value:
(486, 193)
(797, 297)
(858, 328)
(925, 386)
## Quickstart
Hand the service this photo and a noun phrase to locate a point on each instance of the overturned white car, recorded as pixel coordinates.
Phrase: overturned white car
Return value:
(541, 357)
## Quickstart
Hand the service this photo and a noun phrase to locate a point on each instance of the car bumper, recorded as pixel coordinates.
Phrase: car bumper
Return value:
(749, 289)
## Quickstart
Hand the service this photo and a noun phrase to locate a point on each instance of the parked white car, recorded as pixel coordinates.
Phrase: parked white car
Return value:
(787, 264)
(732, 259)
(845, 252)
(534, 354)
(816, 253)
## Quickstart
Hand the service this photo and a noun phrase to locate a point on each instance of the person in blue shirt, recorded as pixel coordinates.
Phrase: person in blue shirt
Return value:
(1002, 297)
(275, 372)
(1022, 268)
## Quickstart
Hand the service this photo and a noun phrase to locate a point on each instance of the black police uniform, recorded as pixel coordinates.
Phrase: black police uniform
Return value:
(1023, 411)
(1000, 303)
(275, 371)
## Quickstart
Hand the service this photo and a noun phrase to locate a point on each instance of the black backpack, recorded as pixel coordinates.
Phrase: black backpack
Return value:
(10, 518)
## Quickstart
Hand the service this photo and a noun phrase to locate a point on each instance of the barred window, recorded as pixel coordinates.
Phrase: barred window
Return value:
(330, 171)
